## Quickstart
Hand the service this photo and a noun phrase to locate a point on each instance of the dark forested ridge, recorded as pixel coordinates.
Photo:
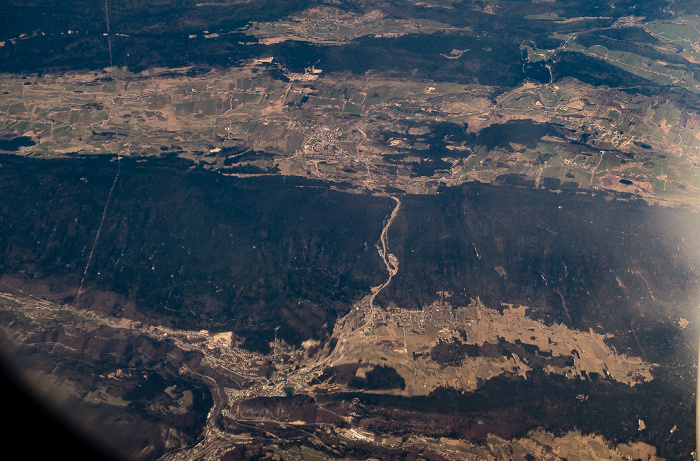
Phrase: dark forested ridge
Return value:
(191, 247)
(586, 261)
(201, 250)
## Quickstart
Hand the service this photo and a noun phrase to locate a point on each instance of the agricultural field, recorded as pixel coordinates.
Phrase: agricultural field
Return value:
(372, 133)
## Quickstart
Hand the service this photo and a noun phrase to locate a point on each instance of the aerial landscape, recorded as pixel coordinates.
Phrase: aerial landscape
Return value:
(322, 229)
